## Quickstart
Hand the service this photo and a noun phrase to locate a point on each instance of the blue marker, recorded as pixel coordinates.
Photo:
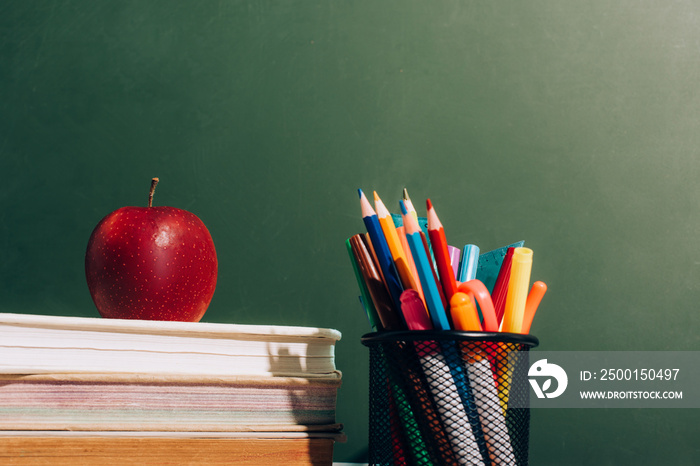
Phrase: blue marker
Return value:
(468, 265)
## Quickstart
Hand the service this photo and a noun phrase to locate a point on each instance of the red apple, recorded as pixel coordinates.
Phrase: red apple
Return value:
(151, 263)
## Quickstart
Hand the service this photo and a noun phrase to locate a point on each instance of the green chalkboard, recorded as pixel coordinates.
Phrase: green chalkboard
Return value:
(573, 126)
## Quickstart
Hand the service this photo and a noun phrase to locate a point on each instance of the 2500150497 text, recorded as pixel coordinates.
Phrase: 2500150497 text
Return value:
(630, 374)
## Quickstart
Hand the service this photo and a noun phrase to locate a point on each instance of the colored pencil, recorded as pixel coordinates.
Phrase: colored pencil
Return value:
(433, 270)
(438, 241)
(395, 248)
(375, 286)
(425, 272)
(366, 299)
(409, 205)
(411, 263)
(381, 249)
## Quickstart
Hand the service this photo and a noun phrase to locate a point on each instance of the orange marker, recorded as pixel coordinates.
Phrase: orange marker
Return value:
(464, 314)
(442, 255)
(475, 289)
(533, 301)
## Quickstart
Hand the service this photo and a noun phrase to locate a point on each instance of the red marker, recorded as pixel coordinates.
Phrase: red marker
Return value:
(500, 289)
(414, 312)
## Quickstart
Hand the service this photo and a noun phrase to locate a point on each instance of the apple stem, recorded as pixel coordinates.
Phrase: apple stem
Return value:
(154, 182)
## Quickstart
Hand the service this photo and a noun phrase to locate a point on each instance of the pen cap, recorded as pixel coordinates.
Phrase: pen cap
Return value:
(533, 301)
(522, 255)
(518, 288)
(469, 264)
(455, 255)
(464, 314)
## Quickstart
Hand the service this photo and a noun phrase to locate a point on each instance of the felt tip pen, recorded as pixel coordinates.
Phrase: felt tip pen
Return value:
(487, 401)
(470, 260)
(533, 301)
(425, 271)
(445, 382)
(414, 312)
(455, 254)
(448, 382)
(500, 288)
(476, 290)
(518, 286)
(464, 314)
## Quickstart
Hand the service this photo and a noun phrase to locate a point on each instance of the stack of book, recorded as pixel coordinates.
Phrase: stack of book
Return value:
(90, 389)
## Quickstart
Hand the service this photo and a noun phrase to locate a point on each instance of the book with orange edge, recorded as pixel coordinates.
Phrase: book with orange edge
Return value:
(243, 449)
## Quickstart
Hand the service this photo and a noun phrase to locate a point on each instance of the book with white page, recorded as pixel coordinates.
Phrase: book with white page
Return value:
(33, 344)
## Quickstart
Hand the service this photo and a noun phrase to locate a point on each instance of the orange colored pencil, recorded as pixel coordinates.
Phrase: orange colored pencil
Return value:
(395, 248)
(409, 258)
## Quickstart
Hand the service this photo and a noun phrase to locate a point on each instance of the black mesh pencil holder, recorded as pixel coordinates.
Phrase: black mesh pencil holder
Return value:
(448, 398)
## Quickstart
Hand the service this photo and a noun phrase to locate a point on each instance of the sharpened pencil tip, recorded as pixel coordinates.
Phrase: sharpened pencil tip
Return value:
(359, 193)
(405, 195)
(428, 204)
(376, 196)
(403, 207)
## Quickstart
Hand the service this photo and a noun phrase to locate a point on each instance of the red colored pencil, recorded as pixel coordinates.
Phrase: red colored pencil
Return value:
(442, 256)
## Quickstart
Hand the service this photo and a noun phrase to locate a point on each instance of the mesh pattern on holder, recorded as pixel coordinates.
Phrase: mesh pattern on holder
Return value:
(442, 398)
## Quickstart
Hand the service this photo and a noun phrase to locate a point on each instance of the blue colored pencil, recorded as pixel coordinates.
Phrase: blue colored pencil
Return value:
(425, 271)
(381, 249)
